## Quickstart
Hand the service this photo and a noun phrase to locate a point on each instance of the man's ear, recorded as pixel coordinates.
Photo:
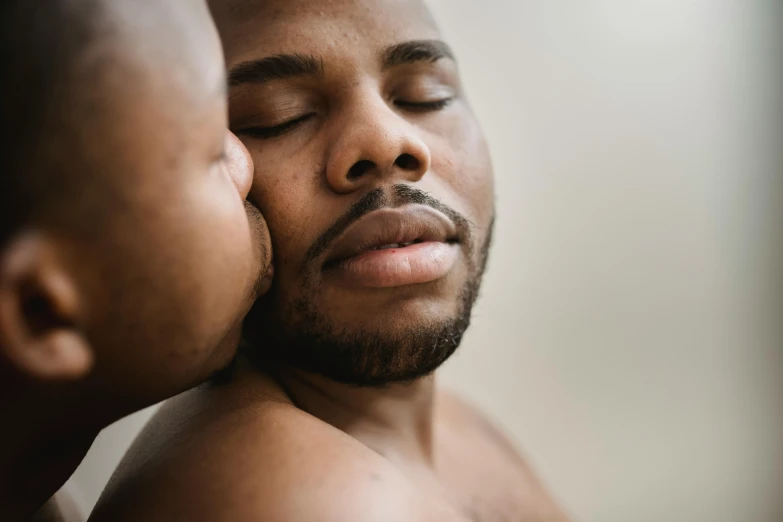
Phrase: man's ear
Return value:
(39, 312)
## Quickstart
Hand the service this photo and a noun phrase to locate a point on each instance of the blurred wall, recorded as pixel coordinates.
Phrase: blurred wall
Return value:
(630, 333)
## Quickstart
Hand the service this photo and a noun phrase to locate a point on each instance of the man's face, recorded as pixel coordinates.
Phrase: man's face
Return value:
(171, 254)
(373, 175)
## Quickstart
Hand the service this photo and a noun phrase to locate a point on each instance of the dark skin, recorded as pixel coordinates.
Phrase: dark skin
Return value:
(297, 439)
(129, 291)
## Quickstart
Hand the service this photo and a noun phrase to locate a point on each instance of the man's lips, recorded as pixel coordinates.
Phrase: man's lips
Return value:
(395, 247)
(392, 228)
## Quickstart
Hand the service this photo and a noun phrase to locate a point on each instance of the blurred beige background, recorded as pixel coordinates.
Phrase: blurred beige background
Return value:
(630, 334)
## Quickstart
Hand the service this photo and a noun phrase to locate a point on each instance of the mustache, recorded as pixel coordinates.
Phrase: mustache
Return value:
(377, 199)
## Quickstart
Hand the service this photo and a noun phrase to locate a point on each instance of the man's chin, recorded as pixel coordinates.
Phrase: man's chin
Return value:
(362, 357)
(391, 314)
(376, 340)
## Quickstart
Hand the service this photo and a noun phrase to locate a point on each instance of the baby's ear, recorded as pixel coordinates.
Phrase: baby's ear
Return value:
(39, 312)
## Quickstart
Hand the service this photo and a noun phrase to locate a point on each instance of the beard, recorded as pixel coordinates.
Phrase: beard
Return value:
(310, 341)
(301, 336)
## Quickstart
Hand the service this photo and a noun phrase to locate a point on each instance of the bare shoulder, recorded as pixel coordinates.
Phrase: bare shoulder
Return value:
(242, 454)
(482, 461)
(457, 412)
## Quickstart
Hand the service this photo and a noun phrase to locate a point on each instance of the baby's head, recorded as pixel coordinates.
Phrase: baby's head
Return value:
(128, 254)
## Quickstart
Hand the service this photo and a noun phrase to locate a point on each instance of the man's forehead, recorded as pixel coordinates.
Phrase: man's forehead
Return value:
(286, 26)
(274, 10)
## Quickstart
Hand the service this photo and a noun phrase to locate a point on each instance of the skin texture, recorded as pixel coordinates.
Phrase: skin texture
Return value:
(294, 435)
(127, 285)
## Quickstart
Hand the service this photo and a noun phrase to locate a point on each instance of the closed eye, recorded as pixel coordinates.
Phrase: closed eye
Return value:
(273, 131)
(426, 106)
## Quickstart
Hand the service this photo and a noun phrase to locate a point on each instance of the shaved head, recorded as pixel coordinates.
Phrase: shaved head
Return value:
(40, 43)
(67, 64)
(120, 157)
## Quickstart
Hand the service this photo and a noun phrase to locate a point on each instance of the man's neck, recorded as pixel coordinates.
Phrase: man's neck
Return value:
(395, 421)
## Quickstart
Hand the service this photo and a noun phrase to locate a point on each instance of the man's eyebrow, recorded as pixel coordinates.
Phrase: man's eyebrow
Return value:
(416, 51)
(277, 67)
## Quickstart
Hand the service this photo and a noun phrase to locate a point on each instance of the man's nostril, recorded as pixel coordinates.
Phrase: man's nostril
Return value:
(359, 169)
(407, 162)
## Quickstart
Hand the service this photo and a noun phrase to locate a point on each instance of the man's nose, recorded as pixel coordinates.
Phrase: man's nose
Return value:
(376, 144)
